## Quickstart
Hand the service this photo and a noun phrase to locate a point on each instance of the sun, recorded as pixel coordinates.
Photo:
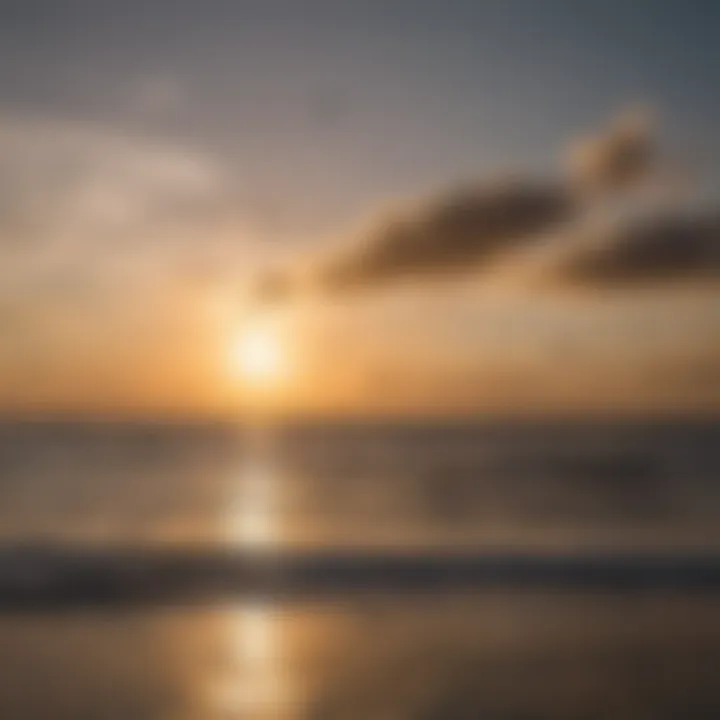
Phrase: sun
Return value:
(258, 355)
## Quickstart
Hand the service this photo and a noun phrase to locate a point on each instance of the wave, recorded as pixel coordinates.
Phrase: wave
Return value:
(46, 578)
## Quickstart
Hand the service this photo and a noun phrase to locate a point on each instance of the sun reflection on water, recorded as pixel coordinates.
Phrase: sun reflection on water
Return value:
(253, 521)
(253, 684)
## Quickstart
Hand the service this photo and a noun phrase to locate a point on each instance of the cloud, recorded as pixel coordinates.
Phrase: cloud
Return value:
(462, 230)
(72, 184)
(620, 156)
(95, 223)
(650, 250)
(549, 225)
(454, 235)
(273, 287)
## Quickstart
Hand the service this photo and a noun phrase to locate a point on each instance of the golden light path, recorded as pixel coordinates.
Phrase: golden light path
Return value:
(255, 686)
(259, 358)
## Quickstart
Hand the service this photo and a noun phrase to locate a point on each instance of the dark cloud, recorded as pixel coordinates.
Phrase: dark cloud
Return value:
(616, 158)
(464, 231)
(656, 249)
(455, 235)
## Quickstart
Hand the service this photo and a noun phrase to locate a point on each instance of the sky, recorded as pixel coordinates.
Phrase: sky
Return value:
(465, 205)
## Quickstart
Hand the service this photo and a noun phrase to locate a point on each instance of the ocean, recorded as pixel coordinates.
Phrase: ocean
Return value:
(499, 570)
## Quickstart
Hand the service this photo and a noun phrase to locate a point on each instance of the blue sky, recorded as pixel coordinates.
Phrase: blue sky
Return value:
(358, 101)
